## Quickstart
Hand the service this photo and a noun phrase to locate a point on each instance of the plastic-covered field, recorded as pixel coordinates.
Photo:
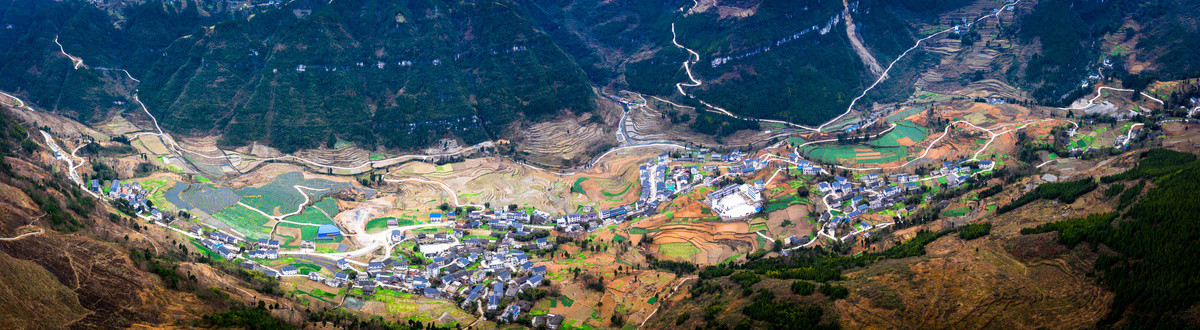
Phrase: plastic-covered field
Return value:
(905, 134)
(905, 114)
(245, 221)
(281, 195)
(204, 197)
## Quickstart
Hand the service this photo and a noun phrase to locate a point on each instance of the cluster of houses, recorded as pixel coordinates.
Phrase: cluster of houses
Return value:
(661, 182)
(477, 270)
(135, 196)
(224, 245)
(805, 167)
(956, 173)
(870, 194)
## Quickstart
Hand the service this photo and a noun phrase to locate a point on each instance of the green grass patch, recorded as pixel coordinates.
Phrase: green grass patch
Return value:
(622, 192)
(956, 212)
(305, 268)
(377, 225)
(577, 186)
(206, 251)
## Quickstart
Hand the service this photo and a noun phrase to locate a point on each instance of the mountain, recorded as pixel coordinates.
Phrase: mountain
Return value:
(303, 75)
(306, 74)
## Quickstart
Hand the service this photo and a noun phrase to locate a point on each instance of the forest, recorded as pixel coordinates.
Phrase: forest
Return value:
(1151, 267)
(375, 73)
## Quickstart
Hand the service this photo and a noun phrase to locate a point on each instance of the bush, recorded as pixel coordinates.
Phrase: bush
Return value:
(1065, 192)
(1114, 190)
(1073, 231)
(1130, 194)
(835, 292)
(990, 191)
(803, 288)
(973, 231)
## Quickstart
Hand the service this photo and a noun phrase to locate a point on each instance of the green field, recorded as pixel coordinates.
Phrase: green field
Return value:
(281, 196)
(888, 147)
(682, 250)
(904, 129)
(305, 268)
(329, 205)
(835, 154)
(205, 250)
(637, 231)
(905, 114)
(308, 233)
(311, 215)
(245, 221)
(159, 199)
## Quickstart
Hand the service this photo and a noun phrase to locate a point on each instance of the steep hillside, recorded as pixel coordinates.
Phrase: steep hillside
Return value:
(765, 59)
(65, 263)
(381, 74)
(378, 73)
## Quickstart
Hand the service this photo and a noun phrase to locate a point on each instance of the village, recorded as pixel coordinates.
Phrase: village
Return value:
(446, 258)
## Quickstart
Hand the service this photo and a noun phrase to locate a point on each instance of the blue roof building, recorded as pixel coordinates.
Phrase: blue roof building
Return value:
(328, 232)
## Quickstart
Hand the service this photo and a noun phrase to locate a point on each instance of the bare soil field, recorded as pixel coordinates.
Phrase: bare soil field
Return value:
(647, 124)
(566, 142)
(500, 181)
(1182, 137)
